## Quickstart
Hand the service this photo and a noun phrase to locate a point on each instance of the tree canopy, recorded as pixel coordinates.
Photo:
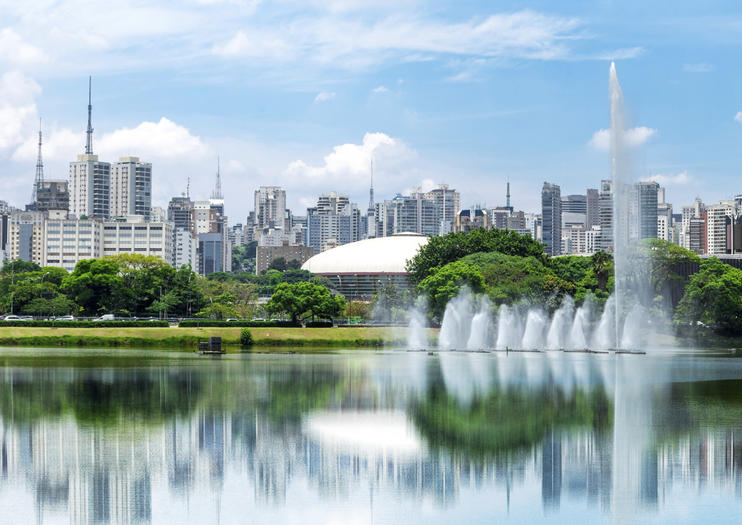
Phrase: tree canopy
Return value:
(439, 251)
(305, 299)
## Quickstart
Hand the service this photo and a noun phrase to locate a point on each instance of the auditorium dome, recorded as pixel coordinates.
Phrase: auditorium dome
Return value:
(360, 268)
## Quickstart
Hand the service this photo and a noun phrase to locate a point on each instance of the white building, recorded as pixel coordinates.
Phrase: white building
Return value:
(185, 249)
(145, 238)
(270, 207)
(25, 230)
(68, 241)
(90, 187)
(716, 226)
(131, 188)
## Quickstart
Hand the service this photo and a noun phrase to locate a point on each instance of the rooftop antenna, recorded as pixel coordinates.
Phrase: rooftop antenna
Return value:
(507, 204)
(217, 194)
(89, 143)
(371, 191)
(188, 189)
(39, 169)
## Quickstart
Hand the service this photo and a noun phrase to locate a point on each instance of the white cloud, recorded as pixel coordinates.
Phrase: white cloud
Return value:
(152, 140)
(349, 165)
(633, 137)
(15, 50)
(380, 89)
(324, 96)
(738, 116)
(260, 46)
(701, 67)
(666, 180)
(18, 112)
(59, 145)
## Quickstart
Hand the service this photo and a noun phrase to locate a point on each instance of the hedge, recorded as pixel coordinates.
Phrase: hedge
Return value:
(319, 324)
(89, 324)
(236, 324)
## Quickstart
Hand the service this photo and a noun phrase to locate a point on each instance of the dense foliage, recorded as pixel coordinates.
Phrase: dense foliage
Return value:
(439, 251)
(300, 301)
(713, 296)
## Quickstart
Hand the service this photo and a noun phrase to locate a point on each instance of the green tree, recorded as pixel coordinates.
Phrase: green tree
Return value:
(305, 299)
(19, 266)
(96, 286)
(443, 284)
(713, 295)
(278, 264)
(441, 250)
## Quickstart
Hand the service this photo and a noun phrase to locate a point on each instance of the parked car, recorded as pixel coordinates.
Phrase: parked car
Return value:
(232, 319)
(106, 317)
(65, 318)
(13, 318)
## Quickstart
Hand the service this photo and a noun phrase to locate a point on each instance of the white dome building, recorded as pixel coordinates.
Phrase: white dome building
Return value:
(362, 268)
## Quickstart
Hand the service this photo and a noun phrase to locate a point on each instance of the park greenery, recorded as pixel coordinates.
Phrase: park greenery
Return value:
(510, 268)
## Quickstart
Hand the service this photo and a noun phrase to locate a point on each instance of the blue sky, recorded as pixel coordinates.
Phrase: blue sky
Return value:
(304, 93)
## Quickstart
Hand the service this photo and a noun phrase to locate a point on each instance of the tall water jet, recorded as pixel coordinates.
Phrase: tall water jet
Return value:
(579, 333)
(561, 324)
(481, 326)
(605, 334)
(533, 337)
(456, 323)
(417, 336)
(509, 328)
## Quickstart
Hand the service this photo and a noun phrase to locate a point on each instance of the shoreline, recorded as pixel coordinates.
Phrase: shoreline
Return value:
(188, 338)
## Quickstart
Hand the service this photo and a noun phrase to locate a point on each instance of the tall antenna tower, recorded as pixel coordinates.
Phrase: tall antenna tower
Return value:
(507, 195)
(39, 169)
(371, 191)
(89, 143)
(217, 194)
(188, 189)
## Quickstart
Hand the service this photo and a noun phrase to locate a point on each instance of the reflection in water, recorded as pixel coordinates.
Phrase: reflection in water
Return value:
(372, 437)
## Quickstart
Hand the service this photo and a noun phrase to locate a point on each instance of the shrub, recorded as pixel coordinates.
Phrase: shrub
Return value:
(236, 324)
(89, 324)
(246, 338)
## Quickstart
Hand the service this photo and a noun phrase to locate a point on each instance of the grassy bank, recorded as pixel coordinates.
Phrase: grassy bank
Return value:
(188, 338)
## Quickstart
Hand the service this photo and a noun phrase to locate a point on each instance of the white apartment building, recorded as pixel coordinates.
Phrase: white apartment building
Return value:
(131, 188)
(664, 231)
(68, 241)
(90, 187)
(145, 238)
(185, 249)
(716, 226)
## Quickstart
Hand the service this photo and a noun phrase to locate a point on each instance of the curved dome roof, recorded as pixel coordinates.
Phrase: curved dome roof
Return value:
(377, 255)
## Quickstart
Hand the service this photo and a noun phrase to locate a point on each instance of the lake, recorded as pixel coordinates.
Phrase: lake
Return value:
(127, 436)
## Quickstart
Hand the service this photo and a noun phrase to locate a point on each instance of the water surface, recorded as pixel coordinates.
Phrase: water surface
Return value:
(368, 437)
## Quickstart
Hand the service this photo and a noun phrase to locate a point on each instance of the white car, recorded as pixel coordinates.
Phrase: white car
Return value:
(13, 318)
(106, 317)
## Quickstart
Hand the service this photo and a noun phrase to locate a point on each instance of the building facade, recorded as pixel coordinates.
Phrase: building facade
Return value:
(131, 188)
(551, 213)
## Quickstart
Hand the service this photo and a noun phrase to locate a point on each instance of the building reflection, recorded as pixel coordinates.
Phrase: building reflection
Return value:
(106, 471)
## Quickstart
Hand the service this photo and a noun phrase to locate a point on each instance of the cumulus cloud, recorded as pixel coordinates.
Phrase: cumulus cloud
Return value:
(667, 180)
(350, 164)
(59, 144)
(738, 116)
(380, 89)
(15, 50)
(633, 137)
(152, 140)
(18, 112)
(260, 46)
(324, 96)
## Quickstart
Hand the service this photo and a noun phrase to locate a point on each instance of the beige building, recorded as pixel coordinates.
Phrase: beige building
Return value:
(131, 188)
(265, 255)
(68, 241)
(25, 231)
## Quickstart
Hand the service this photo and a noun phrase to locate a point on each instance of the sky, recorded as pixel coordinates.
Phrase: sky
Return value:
(305, 93)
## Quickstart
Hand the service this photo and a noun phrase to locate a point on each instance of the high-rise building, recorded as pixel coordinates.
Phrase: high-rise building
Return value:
(449, 203)
(131, 188)
(646, 202)
(718, 219)
(25, 231)
(605, 216)
(592, 208)
(333, 222)
(574, 204)
(68, 241)
(90, 180)
(270, 207)
(551, 212)
(52, 195)
(468, 220)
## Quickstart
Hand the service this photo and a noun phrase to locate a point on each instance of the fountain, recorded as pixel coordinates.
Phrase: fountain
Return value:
(470, 323)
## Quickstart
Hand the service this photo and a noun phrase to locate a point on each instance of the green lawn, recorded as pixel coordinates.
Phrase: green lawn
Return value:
(188, 337)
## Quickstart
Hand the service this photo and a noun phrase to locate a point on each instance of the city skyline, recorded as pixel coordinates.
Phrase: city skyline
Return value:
(308, 114)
